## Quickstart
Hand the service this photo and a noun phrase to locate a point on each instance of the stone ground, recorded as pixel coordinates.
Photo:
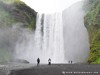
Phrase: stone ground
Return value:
(54, 69)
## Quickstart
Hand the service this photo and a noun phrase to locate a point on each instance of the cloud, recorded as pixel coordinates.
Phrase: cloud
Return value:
(49, 6)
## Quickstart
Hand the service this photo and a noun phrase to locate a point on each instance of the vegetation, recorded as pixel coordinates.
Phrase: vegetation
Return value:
(15, 11)
(92, 22)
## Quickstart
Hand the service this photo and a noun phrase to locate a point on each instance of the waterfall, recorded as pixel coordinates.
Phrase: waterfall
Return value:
(49, 37)
(47, 41)
(60, 36)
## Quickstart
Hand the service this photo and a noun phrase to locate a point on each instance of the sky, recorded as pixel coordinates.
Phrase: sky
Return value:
(49, 6)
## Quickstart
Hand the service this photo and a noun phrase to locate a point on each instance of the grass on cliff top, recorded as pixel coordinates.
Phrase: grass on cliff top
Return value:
(16, 11)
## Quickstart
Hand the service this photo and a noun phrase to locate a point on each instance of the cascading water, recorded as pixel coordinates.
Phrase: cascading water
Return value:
(47, 41)
(49, 37)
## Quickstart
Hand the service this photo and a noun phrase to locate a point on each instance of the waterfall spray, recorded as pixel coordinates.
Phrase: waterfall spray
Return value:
(49, 37)
(47, 41)
(62, 37)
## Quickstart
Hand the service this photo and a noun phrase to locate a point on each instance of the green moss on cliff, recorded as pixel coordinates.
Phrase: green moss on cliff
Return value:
(92, 22)
(15, 11)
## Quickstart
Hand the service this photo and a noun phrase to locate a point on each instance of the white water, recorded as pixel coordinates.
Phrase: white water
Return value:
(48, 41)
(49, 37)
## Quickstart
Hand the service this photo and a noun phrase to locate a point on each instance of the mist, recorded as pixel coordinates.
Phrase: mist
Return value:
(9, 36)
(18, 42)
(75, 33)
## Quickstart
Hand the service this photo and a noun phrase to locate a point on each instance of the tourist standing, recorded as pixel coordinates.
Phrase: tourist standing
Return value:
(49, 61)
(38, 61)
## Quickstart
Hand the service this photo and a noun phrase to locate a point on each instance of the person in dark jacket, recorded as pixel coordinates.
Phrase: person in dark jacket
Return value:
(38, 61)
(71, 62)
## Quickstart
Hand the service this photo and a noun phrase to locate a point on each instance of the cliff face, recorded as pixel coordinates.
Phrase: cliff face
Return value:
(14, 11)
(92, 22)
(13, 14)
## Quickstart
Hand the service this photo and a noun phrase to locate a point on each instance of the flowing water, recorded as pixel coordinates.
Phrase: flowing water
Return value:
(49, 37)
(60, 36)
(47, 41)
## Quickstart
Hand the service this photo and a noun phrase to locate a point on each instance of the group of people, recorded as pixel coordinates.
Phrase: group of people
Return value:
(70, 62)
(49, 61)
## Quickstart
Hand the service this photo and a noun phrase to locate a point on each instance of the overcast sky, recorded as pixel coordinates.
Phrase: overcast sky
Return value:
(49, 6)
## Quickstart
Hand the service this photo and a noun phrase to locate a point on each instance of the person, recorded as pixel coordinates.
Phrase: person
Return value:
(38, 61)
(71, 62)
(49, 61)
